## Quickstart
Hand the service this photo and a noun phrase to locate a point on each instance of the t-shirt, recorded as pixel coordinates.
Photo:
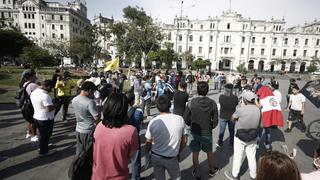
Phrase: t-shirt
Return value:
(111, 151)
(311, 176)
(40, 100)
(228, 105)
(180, 99)
(166, 131)
(249, 117)
(85, 109)
(296, 101)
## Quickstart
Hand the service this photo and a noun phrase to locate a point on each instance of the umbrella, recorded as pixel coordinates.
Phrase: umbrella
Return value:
(312, 91)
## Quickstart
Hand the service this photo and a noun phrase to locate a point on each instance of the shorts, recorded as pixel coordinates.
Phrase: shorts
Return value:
(295, 115)
(200, 142)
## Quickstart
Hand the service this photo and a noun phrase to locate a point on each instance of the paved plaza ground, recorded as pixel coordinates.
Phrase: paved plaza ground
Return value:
(19, 157)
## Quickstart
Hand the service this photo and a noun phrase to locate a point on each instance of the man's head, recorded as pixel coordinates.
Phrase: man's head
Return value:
(258, 80)
(130, 97)
(228, 89)
(163, 104)
(46, 85)
(57, 71)
(88, 88)
(30, 75)
(274, 84)
(249, 97)
(202, 88)
(183, 86)
(295, 89)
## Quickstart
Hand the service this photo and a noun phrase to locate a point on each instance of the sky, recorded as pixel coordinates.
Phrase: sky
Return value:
(295, 12)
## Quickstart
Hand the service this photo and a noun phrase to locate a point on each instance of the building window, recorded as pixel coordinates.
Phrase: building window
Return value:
(25, 16)
(34, 33)
(211, 38)
(286, 41)
(180, 37)
(275, 40)
(42, 17)
(29, 25)
(306, 42)
(180, 49)
(264, 28)
(228, 26)
(25, 25)
(263, 40)
(274, 52)
(201, 26)
(53, 35)
(296, 41)
(318, 42)
(304, 53)
(32, 16)
(262, 51)
(226, 50)
(190, 49)
(169, 36)
(212, 25)
(243, 39)
(33, 8)
(23, 8)
(294, 53)
(200, 49)
(227, 38)
(53, 27)
(52, 17)
(61, 17)
(284, 52)
(242, 51)
(200, 39)
(316, 53)
(42, 25)
(61, 27)
(252, 51)
(4, 1)
(190, 38)
(210, 49)
(191, 26)
(183, 25)
(33, 26)
(29, 16)
(253, 40)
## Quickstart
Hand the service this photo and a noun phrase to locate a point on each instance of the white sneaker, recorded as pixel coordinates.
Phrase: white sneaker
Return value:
(28, 135)
(34, 139)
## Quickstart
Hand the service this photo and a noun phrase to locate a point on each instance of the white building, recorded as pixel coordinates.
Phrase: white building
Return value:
(231, 40)
(45, 22)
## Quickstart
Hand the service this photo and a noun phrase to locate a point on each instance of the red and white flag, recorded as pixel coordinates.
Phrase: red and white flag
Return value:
(271, 110)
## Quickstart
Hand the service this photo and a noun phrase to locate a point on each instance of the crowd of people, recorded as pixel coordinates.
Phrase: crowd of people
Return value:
(111, 107)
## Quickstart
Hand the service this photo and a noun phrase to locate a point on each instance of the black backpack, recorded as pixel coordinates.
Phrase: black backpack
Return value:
(144, 92)
(81, 166)
(21, 95)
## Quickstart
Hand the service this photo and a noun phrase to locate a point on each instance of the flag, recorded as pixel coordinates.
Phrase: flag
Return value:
(271, 110)
(112, 65)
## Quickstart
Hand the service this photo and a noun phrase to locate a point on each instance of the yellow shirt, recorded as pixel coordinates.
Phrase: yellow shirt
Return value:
(64, 87)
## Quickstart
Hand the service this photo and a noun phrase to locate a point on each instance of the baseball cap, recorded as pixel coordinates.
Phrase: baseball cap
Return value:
(249, 96)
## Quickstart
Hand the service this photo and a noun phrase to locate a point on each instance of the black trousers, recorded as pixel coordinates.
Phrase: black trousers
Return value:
(62, 100)
(45, 129)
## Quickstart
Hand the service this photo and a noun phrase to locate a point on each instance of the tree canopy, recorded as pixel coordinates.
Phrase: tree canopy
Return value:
(37, 56)
(137, 36)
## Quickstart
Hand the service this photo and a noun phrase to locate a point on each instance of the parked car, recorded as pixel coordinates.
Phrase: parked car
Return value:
(316, 73)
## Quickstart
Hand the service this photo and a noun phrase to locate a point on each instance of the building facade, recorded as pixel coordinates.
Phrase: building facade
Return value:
(45, 22)
(231, 40)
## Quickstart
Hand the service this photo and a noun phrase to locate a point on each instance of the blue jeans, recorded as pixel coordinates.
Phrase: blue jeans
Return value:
(45, 129)
(136, 164)
(265, 131)
(222, 128)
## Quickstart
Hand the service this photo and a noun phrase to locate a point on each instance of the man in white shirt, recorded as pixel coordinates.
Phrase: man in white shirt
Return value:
(166, 136)
(43, 115)
(296, 104)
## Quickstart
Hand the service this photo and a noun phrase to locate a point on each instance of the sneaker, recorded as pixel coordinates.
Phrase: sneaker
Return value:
(229, 175)
(214, 171)
(288, 130)
(28, 135)
(49, 153)
(34, 138)
(194, 175)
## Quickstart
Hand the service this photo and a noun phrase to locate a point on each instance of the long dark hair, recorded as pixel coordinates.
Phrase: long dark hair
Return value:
(115, 111)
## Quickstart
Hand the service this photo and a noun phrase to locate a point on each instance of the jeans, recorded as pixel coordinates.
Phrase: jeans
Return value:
(222, 127)
(267, 132)
(250, 149)
(62, 100)
(146, 106)
(45, 129)
(136, 165)
(161, 164)
(216, 85)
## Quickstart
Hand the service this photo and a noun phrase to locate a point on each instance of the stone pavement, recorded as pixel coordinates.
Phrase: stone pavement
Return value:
(19, 157)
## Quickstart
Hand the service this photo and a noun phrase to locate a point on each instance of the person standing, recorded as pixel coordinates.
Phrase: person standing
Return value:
(137, 87)
(54, 79)
(292, 83)
(64, 87)
(146, 96)
(43, 115)
(190, 80)
(296, 109)
(166, 136)
(216, 79)
(247, 122)
(201, 115)
(86, 114)
(135, 118)
(228, 103)
(180, 98)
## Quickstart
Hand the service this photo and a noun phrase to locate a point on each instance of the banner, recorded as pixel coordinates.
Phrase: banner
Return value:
(112, 65)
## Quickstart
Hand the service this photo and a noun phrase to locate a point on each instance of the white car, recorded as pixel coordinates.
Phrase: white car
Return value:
(316, 73)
